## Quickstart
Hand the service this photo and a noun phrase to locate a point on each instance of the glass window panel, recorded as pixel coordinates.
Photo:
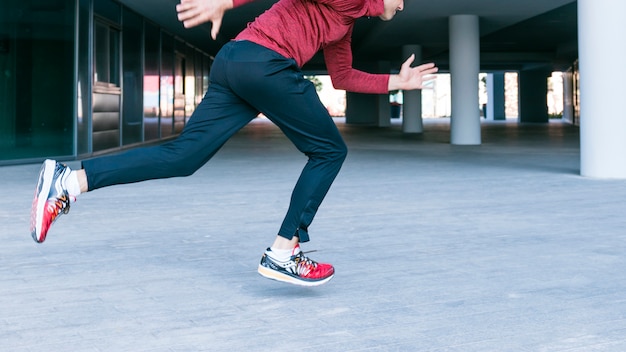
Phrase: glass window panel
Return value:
(107, 9)
(36, 115)
(190, 82)
(151, 82)
(198, 72)
(101, 53)
(206, 69)
(114, 57)
(167, 84)
(132, 110)
(107, 54)
(179, 93)
(83, 102)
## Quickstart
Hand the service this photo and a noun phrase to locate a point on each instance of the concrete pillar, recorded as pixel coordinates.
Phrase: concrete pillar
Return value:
(412, 99)
(495, 96)
(362, 109)
(568, 97)
(602, 54)
(464, 69)
(533, 95)
(369, 109)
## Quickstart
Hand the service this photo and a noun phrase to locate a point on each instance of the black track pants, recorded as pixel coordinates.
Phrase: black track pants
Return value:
(246, 79)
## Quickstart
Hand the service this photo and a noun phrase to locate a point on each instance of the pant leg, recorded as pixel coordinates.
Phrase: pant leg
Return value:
(220, 115)
(292, 103)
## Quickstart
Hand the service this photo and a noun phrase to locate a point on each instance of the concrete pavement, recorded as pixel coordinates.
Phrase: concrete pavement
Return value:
(498, 247)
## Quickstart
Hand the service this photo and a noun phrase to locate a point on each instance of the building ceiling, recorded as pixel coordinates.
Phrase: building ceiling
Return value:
(515, 34)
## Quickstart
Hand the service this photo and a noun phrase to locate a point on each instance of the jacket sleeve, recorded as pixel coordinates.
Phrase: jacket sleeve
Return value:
(237, 3)
(338, 58)
(355, 8)
(344, 5)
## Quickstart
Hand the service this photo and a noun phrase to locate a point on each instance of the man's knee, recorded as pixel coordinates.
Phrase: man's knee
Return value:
(335, 152)
(342, 151)
(181, 162)
(188, 164)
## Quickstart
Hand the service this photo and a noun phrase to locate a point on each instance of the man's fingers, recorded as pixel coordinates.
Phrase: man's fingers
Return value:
(409, 61)
(182, 7)
(184, 16)
(192, 19)
(428, 78)
(187, 4)
(192, 14)
(217, 23)
(187, 14)
(186, 10)
(430, 71)
(427, 69)
(426, 66)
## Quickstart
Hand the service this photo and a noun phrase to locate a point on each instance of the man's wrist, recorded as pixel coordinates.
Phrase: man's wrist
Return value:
(237, 3)
(394, 83)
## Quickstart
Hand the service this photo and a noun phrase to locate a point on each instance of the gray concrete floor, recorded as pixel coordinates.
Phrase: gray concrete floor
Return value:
(498, 247)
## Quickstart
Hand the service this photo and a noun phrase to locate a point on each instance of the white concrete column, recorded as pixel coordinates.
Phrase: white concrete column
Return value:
(464, 69)
(412, 99)
(495, 96)
(568, 97)
(602, 54)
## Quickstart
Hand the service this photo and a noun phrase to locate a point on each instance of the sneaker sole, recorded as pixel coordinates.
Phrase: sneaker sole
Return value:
(42, 198)
(271, 274)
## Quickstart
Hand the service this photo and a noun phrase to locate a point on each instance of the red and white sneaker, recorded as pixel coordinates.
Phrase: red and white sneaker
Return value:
(298, 270)
(51, 199)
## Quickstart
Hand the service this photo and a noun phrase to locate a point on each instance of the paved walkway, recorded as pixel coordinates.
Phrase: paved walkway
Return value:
(498, 247)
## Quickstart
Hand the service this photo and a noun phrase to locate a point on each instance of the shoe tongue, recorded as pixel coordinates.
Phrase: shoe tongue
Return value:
(296, 250)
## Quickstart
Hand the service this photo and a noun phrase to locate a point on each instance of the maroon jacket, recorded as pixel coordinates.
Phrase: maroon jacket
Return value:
(298, 29)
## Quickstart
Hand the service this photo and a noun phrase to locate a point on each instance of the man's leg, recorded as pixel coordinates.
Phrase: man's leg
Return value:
(214, 121)
(220, 114)
(275, 86)
(292, 103)
(313, 132)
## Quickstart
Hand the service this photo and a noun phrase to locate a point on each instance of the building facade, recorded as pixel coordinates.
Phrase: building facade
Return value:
(83, 77)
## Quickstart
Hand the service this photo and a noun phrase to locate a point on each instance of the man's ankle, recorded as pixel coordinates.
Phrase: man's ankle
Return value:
(282, 255)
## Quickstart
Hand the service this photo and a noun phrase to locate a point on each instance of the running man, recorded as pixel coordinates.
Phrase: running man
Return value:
(256, 72)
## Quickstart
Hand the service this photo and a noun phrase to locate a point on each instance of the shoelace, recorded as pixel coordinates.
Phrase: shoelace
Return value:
(62, 204)
(304, 264)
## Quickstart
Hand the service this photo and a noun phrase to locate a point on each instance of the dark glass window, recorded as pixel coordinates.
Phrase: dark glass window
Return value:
(107, 9)
(190, 82)
(37, 80)
(151, 82)
(107, 54)
(132, 106)
(83, 88)
(167, 84)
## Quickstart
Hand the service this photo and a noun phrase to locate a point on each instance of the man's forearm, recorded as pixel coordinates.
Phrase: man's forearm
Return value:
(237, 3)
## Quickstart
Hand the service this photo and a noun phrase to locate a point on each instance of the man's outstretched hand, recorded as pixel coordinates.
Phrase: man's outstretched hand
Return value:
(195, 12)
(412, 77)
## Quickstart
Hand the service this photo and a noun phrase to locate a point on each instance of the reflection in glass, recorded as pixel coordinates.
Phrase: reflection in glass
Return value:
(132, 110)
(167, 85)
(190, 83)
(151, 85)
(179, 93)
